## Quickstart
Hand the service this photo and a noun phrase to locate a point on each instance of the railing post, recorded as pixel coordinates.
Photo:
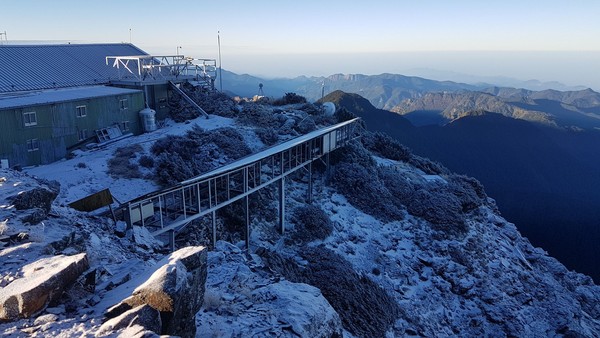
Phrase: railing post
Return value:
(172, 240)
(214, 229)
(282, 204)
(247, 204)
(310, 184)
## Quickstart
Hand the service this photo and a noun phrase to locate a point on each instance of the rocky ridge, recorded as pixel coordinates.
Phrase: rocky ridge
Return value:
(445, 264)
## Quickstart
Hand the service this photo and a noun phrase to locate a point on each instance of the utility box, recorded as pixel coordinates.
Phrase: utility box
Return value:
(329, 142)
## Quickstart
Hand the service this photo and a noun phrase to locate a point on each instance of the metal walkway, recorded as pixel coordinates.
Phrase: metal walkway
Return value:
(170, 210)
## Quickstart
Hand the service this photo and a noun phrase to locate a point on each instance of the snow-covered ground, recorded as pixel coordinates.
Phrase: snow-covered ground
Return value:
(87, 172)
(491, 282)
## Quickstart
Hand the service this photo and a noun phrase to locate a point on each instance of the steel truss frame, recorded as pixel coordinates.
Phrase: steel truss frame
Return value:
(163, 67)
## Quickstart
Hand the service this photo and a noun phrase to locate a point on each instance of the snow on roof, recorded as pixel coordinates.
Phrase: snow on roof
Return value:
(32, 98)
(34, 67)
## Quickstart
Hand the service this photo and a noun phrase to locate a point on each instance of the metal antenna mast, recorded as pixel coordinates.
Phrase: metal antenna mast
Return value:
(5, 37)
(220, 68)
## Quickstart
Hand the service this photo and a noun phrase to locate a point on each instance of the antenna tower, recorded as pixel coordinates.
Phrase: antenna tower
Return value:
(5, 38)
(220, 68)
(260, 90)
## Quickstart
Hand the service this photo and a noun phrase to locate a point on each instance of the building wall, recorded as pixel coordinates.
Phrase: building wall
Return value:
(58, 128)
(160, 95)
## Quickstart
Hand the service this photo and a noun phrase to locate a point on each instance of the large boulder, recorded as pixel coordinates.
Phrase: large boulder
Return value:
(137, 320)
(42, 282)
(302, 309)
(176, 289)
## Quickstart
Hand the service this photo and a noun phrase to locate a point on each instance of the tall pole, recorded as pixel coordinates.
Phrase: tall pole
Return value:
(129, 35)
(220, 68)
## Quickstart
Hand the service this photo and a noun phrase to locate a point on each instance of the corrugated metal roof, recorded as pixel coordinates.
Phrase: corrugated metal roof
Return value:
(34, 67)
(37, 97)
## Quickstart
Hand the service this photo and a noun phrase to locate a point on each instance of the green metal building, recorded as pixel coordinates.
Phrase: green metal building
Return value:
(55, 98)
(43, 126)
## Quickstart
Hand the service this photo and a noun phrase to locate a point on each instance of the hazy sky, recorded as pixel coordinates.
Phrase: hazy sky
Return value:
(289, 38)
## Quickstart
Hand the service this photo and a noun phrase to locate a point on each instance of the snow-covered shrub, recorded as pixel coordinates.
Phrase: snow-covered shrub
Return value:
(354, 152)
(257, 115)
(344, 114)
(441, 208)
(469, 191)
(121, 166)
(401, 189)
(181, 111)
(365, 308)
(81, 165)
(305, 125)
(324, 120)
(196, 152)
(363, 188)
(428, 166)
(312, 109)
(172, 168)
(312, 223)
(386, 146)
(146, 161)
(289, 98)
(213, 102)
(268, 136)
(233, 216)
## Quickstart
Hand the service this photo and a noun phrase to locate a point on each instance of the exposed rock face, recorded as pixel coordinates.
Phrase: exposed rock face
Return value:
(176, 290)
(42, 281)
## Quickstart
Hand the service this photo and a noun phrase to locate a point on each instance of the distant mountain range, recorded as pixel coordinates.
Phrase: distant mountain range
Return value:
(544, 178)
(536, 152)
(576, 109)
(450, 100)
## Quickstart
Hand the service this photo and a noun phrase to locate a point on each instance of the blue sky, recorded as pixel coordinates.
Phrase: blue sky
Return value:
(288, 38)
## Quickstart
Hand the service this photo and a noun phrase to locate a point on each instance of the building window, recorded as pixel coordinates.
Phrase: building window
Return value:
(82, 134)
(33, 144)
(29, 119)
(81, 111)
(125, 126)
(123, 104)
(162, 103)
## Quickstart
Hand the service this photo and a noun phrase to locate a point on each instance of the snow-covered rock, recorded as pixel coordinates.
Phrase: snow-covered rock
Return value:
(242, 301)
(141, 318)
(42, 282)
(175, 289)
